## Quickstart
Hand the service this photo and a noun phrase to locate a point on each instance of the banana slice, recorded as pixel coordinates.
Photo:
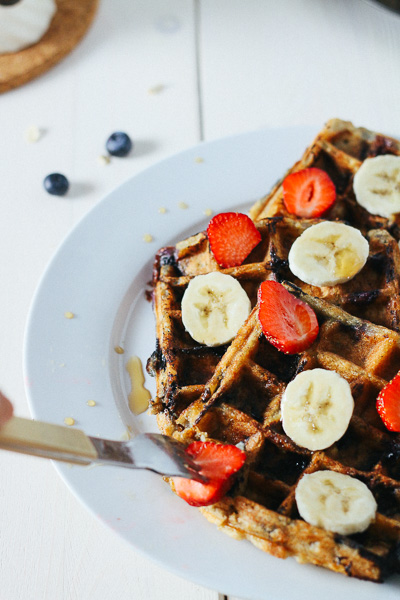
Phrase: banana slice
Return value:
(214, 307)
(316, 408)
(328, 253)
(335, 502)
(377, 185)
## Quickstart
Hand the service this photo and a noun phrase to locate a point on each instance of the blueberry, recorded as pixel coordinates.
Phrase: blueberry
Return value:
(56, 184)
(119, 144)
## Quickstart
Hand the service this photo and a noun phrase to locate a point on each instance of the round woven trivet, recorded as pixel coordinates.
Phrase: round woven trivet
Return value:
(69, 25)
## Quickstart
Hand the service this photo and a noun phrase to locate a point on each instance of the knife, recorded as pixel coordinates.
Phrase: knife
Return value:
(152, 451)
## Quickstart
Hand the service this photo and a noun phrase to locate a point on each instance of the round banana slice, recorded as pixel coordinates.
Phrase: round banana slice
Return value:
(328, 253)
(377, 185)
(214, 307)
(316, 408)
(335, 502)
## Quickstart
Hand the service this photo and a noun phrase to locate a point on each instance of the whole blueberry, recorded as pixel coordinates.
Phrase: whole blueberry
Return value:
(56, 184)
(119, 144)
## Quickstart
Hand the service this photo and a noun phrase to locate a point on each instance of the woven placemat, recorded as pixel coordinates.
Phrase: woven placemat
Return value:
(69, 25)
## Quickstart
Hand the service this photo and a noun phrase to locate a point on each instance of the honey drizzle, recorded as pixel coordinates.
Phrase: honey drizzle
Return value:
(139, 396)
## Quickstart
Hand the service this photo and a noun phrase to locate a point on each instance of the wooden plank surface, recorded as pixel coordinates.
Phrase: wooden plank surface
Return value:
(297, 62)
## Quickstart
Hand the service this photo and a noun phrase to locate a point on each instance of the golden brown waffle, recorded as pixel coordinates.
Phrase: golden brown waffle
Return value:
(373, 294)
(241, 403)
(338, 149)
(232, 393)
(181, 365)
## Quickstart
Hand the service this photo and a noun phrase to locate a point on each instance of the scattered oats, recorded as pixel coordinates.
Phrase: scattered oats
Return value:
(33, 134)
(91, 403)
(199, 159)
(203, 437)
(147, 238)
(69, 421)
(162, 210)
(103, 159)
(156, 89)
(69, 315)
(208, 212)
(183, 205)
(119, 350)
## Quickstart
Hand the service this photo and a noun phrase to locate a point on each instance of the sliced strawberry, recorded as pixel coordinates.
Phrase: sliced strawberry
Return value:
(232, 237)
(218, 462)
(388, 404)
(308, 193)
(287, 322)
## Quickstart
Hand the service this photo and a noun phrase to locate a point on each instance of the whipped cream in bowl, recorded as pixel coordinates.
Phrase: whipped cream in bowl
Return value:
(24, 22)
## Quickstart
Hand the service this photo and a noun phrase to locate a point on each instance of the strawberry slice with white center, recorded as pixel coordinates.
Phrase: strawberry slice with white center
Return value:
(287, 322)
(308, 193)
(388, 404)
(219, 463)
(232, 237)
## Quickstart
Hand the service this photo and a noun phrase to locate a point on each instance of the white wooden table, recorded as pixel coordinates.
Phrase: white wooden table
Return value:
(170, 74)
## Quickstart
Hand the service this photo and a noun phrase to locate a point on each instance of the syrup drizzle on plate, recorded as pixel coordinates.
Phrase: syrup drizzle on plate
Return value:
(139, 396)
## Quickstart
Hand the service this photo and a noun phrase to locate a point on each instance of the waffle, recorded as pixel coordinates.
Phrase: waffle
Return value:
(338, 149)
(182, 366)
(232, 393)
(373, 294)
(241, 404)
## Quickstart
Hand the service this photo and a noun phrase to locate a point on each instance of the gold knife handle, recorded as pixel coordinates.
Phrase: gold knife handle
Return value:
(47, 440)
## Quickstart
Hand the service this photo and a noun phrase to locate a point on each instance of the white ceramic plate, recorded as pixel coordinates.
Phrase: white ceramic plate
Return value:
(100, 274)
